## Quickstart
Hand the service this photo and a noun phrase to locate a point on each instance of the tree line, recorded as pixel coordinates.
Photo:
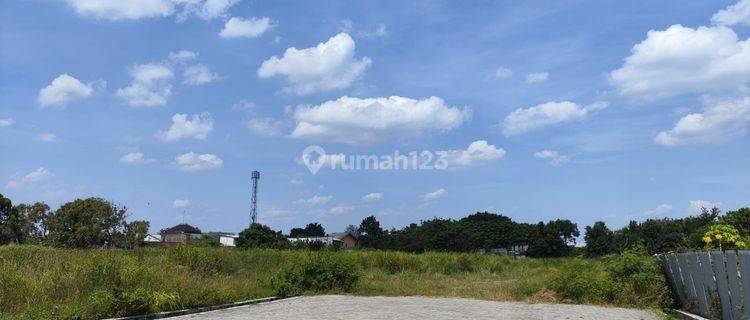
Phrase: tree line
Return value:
(83, 223)
(95, 222)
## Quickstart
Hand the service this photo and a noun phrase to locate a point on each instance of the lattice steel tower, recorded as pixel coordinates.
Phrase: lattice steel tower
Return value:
(254, 204)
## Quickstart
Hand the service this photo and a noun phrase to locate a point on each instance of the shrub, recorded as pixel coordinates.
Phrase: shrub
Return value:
(639, 279)
(723, 236)
(582, 281)
(318, 273)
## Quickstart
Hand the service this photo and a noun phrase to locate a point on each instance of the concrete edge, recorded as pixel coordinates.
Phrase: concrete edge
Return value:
(175, 313)
(686, 315)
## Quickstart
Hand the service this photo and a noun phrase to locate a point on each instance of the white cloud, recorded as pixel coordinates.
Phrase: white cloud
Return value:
(183, 56)
(123, 10)
(434, 195)
(180, 203)
(556, 159)
(502, 73)
(7, 122)
(136, 158)
(198, 127)
(141, 9)
(738, 13)
(717, 123)
(697, 205)
(524, 120)
(347, 26)
(315, 200)
(207, 10)
(35, 176)
(660, 209)
(341, 209)
(243, 105)
(47, 137)
(363, 121)
(191, 162)
(380, 31)
(537, 77)
(370, 197)
(150, 86)
(198, 74)
(479, 151)
(682, 60)
(268, 127)
(237, 27)
(63, 90)
(328, 66)
(295, 181)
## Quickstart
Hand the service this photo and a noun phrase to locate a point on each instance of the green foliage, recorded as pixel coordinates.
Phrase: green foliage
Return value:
(482, 230)
(51, 283)
(553, 239)
(205, 241)
(314, 230)
(639, 279)
(598, 240)
(317, 274)
(629, 279)
(665, 235)
(740, 219)
(261, 236)
(87, 223)
(723, 236)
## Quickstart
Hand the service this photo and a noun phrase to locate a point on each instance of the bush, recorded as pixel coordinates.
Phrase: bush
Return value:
(639, 279)
(630, 279)
(592, 286)
(318, 273)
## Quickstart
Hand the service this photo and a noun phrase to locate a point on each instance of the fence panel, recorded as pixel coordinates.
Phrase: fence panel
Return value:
(712, 284)
(745, 275)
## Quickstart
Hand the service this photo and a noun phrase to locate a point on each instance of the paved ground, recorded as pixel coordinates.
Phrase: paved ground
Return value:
(350, 307)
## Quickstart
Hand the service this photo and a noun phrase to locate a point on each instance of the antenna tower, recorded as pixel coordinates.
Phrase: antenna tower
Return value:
(254, 204)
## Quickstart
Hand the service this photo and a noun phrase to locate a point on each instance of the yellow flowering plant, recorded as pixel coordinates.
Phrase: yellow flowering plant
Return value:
(723, 236)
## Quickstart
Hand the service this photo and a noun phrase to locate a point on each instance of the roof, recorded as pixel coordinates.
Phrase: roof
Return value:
(152, 238)
(341, 235)
(222, 234)
(181, 228)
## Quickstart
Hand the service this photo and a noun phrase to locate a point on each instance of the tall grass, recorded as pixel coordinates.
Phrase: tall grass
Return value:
(48, 283)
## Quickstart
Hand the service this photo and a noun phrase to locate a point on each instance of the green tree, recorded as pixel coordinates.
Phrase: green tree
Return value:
(136, 231)
(598, 239)
(87, 223)
(371, 235)
(35, 218)
(5, 216)
(261, 236)
(297, 233)
(740, 219)
(553, 239)
(314, 230)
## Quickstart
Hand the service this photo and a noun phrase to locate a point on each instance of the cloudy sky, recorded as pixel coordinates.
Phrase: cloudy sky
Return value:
(586, 110)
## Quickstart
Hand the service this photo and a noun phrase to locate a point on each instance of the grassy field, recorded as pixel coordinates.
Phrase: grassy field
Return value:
(49, 283)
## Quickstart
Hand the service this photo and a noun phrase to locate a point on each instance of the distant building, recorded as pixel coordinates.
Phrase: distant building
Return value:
(226, 239)
(348, 240)
(181, 233)
(345, 239)
(152, 239)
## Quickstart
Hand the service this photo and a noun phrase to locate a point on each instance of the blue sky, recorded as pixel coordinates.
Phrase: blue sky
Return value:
(586, 110)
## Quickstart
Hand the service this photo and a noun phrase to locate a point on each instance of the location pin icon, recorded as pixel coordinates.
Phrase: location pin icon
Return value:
(314, 158)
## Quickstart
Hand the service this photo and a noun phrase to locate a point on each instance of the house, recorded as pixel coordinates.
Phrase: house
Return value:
(346, 240)
(181, 233)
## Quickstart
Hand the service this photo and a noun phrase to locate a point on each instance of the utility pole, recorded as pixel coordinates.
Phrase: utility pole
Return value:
(254, 204)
